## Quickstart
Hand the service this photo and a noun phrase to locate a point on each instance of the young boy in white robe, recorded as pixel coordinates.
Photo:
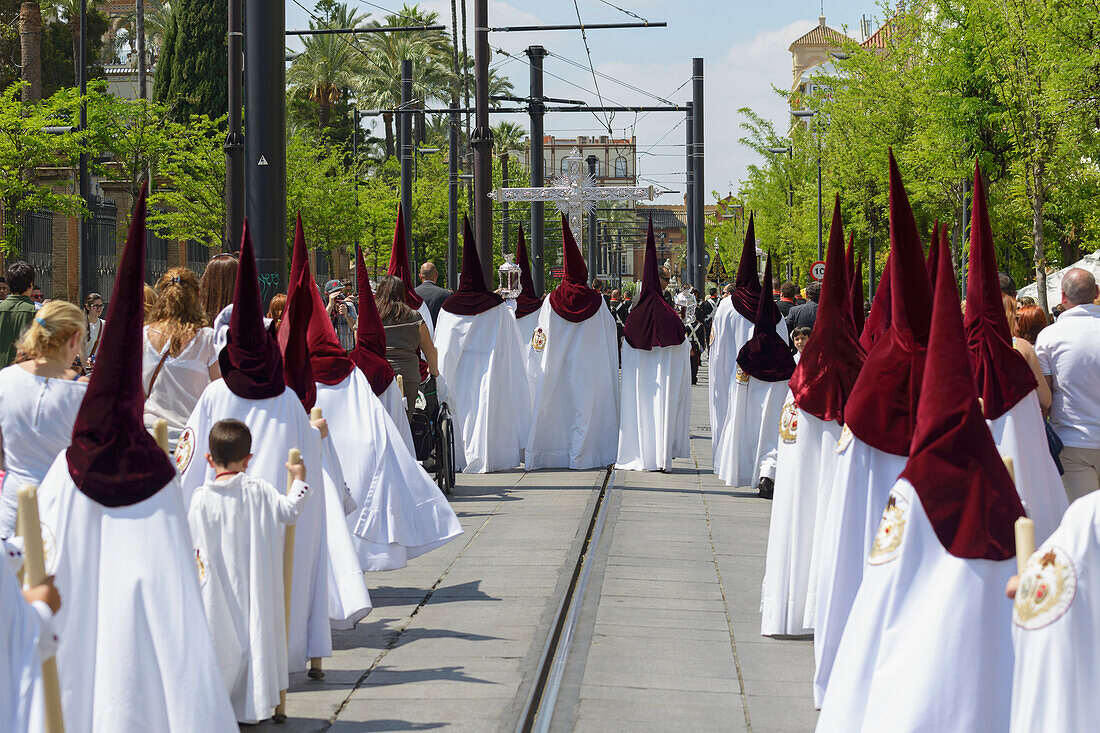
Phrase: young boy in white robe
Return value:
(236, 524)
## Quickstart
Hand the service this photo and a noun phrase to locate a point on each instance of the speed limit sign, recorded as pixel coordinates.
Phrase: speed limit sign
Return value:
(817, 271)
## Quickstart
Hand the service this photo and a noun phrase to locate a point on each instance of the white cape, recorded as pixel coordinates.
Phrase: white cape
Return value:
(135, 652)
(348, 599)
(1056, 624)
(401, 512)
(481, 360)
(573, 371)
(729, 332)
(655, 422)
(393, 399)
(928, 645)
(752, 429)
(861, 483)
(806, 446)
(526, 326)
(22, 649)
(1019, 435)
(277, 425)
(426, 314)
(237, 529)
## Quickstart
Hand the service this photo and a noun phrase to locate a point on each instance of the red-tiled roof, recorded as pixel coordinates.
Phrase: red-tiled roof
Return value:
(821, 35)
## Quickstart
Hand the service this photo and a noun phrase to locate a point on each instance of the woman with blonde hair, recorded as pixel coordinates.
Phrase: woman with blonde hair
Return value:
(179, 358)
(39, 398)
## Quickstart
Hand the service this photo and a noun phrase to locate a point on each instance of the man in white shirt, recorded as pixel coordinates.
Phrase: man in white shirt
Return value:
(1069, 356)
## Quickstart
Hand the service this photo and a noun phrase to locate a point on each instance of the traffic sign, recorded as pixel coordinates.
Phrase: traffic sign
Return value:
(558, 272)
(817, 271)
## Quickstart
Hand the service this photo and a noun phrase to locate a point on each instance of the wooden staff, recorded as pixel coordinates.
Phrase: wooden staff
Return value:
(34, 573)
(315, 671)
(295, 457)
(160, 434)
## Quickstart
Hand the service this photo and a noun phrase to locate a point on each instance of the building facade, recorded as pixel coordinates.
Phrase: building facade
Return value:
(617, 158)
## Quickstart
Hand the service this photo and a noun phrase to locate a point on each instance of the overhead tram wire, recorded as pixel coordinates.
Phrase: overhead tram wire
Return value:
(628, 85)
(588, 52)
(624, 11)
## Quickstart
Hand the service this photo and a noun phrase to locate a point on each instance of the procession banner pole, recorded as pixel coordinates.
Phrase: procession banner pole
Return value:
(315, 671)
(34, 573)
(160, 434)
(295, 457)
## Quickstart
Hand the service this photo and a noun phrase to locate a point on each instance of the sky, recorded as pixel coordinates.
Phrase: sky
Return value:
(744, 46)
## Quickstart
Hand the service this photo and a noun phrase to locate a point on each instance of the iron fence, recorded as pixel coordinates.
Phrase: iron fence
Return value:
(198, 254)
(38, 248)
(156, 256)
(101, 257)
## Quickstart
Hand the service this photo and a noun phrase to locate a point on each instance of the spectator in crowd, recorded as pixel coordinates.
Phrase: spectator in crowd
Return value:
(1056, 311)
(1030, 320)
(1025, 300)
(275, 309)
(37, 297)
(39, 398)
(697, 337)
(430, 292)
(1027, 350)
(342, 312)
(149, 297)
(805, 314)
(1069, 358)
(787, 293)
(776, 289)
(406, 333)
(93, 321)
(728, 290)
(666, 277)
(800, 336)
(216, 285)
(1008, 285)
(4, 288)
(178, 355)
(16, 310)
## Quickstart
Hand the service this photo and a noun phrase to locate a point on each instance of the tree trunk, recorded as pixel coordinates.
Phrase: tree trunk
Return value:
(1038, 199)
(324, 112)
(387, 121)
(30, 50)
(139, 9)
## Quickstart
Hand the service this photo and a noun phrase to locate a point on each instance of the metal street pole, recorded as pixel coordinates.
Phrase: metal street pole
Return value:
(504, 248)
(689, 200)
(872, 283)
(593, 264)
(265, 144)
(698, 273)
(820, 246)
(234, 138)
(452, 199)
(482, 141)
(139, 21)
(405, 154)
(87, 263)
(538, 111)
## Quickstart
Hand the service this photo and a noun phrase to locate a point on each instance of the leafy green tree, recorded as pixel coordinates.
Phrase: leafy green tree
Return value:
(189, 201)
(322, 188)
(192, 73)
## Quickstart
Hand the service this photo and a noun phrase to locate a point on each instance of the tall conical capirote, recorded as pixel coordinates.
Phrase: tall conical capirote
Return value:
(652, 322)
(472, 296)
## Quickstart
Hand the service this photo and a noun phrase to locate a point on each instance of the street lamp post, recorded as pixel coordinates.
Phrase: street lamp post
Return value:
(809, 114)
(789, 150)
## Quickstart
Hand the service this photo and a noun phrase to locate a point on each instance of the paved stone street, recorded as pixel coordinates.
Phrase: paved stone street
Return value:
(667, 637)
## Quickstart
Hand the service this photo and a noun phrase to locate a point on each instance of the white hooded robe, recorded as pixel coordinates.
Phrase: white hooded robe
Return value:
(655, 422)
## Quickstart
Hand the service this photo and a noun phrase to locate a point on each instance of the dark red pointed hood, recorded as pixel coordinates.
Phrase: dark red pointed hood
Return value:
(954, 466)
(251, 364)
(527, 302)
(472, 296)
(294, 328)
(766, 356)
(399, 261)
(113, 459)
(882, 409)
(878, 320)
(652, 322)
(855, 293)
(934, 253)
(369, 353)
(746, 287)
(1003, 376)
(573, 300)
(832, 359)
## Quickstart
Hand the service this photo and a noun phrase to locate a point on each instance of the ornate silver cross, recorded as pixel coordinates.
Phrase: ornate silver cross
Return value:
(575, 193)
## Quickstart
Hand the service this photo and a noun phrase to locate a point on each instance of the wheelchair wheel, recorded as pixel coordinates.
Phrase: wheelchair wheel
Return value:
(446, 476)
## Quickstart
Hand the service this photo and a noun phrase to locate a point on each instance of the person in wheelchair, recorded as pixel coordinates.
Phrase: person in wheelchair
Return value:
(406, 334)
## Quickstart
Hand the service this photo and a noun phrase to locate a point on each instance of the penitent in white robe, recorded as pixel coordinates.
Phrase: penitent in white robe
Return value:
(277, 425)
(348, 599)
(1019, 435)
(573, 371)
(928, 645)
(401, 513)
(526, 326)
(752, 429)
(1056, 623)
(807, 445)
(480, 358)
(729, 332)
(135, 649)
(26, 639)
(655, 422)
(395, 404)
(237, 529)
(861, 483)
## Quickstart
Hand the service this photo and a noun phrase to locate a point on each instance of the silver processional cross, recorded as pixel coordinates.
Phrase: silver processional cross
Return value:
(575, 193)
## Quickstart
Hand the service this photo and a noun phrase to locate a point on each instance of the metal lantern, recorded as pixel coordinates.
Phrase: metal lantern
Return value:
(508, 274)
(686, 304)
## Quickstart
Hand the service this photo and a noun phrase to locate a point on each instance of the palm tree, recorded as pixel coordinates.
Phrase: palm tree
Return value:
(68, 12)
(508, 136)
(328, 65)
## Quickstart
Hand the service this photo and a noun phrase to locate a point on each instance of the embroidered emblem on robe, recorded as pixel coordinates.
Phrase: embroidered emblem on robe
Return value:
(788, 421)
(891, 530)
(741, 375)
(538, 339)
(185, 449)
(844, 440)
(1047, 589)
